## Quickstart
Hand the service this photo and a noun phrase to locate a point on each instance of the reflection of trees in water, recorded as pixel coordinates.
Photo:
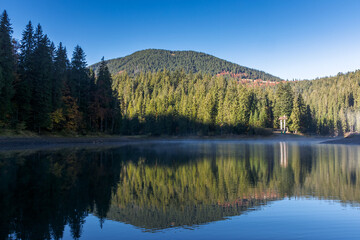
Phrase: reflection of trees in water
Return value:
(42, 192)
(156, 188)
(334, 174)
(152, 218)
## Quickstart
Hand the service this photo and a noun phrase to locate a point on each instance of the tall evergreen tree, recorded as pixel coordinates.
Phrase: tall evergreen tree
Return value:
(61, 67)
(79, 81)
(104, 100)
(42, 87)
(283, 101)
(92, 99)
(24, 86)
(7, 68)
(298, 114)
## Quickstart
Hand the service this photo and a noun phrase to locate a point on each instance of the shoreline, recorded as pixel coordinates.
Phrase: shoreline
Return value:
(48, 142)
(352, 139)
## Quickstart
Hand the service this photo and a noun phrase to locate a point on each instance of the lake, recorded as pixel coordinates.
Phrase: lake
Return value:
(182, 190)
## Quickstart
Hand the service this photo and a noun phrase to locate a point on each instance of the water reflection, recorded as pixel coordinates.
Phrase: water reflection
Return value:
(284, 156)
(157, 186)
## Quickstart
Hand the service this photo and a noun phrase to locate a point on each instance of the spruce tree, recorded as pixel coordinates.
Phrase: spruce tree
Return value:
(79, 81)
(24, 87)
(104, 101)
(7, 68)
(298, 115)
(61, 67)
(283, 101)
(42, 87)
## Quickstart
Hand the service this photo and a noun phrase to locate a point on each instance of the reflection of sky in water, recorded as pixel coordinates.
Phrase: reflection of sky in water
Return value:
(195, 189)
(302, 218)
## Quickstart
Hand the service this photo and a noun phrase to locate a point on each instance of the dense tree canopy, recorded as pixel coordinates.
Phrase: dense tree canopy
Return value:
(7, 68)
(178, 103)
(41, 90)
(334, 103)
(159, 92)
(153, 60)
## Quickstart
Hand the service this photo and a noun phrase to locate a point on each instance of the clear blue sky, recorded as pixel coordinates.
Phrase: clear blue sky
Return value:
(301, 39)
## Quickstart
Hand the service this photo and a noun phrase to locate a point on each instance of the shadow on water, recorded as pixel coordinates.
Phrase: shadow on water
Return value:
(159, 186)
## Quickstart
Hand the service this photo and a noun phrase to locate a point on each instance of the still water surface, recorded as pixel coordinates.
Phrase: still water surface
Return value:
(182, 190)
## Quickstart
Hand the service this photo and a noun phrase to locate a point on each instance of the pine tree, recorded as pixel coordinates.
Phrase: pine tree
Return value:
(283, 101)
(79, 81)
(42, 85)
(298, 114)
(267, 112)
(61, 67)
(7, 68)
(92, 95)
(104, 101)
(24, 87)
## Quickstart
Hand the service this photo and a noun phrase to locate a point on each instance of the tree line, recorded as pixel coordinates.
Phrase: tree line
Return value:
(40, 89)
(176, 103)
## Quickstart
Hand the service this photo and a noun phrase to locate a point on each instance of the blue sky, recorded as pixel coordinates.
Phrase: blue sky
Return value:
(287, 38)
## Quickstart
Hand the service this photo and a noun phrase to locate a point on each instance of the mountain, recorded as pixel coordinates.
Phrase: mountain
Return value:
(155, 59)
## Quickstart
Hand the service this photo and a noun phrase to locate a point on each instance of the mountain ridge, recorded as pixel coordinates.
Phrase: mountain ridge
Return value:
(152, 60)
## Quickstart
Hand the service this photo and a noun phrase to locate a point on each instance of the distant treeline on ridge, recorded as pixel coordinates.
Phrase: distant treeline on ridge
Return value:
(153, 60)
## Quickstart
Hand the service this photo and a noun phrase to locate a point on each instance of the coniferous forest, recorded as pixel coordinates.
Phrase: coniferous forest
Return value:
(153, 60)
(44, 90)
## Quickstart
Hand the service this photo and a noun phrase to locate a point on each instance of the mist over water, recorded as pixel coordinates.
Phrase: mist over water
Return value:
(184, 189)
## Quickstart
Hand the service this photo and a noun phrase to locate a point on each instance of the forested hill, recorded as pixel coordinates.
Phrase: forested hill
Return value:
(152, 60)
(42, 90)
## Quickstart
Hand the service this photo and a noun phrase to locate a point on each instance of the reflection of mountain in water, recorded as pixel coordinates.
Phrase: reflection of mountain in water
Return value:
(160, 186)
(153, 218)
